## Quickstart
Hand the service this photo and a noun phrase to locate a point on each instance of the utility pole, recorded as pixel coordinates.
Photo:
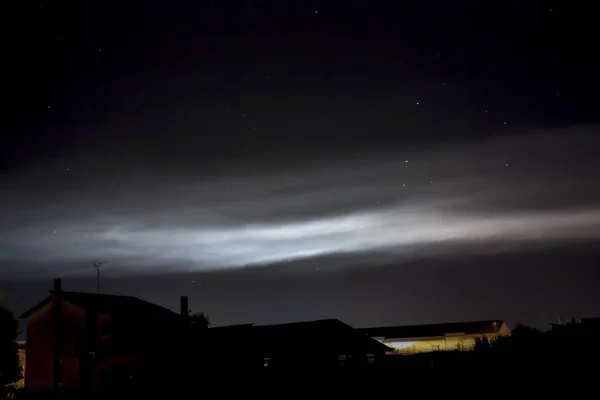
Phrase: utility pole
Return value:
(97, 268)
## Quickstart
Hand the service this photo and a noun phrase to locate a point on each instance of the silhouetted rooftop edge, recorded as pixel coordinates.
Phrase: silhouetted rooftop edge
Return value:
(429, 330)
(108, 303)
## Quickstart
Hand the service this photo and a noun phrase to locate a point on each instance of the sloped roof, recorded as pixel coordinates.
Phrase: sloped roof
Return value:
(309, 325)
(327, 331)
(109, 304)
(431, 330)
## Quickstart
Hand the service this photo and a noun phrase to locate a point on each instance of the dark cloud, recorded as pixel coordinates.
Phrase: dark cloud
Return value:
(491, 195)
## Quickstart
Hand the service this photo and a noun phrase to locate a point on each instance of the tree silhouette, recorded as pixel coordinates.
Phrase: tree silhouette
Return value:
(10, 365)
(198, 319)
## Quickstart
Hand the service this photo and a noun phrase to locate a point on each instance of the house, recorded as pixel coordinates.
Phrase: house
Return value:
(425, 338)
(311, 345)
(218, 349)
(316, 344)
(85, 341)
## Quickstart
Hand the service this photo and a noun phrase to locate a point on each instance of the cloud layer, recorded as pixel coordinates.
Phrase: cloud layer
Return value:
(497, 194)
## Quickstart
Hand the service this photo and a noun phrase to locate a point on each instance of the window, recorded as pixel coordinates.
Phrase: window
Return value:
(266, 362)
(435, 347)
(370, 359)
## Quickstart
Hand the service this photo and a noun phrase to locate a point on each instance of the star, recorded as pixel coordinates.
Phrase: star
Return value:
(417, 103)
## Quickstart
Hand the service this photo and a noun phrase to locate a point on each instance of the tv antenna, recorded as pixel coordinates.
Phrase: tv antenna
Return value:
(97, 268)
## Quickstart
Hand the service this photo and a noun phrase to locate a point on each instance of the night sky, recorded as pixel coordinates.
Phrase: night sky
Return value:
(380, 162)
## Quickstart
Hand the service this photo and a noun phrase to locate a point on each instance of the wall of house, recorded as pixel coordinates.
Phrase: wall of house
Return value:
(74, 330)
(427, 344)
(504, 331)
(41, 341)
(40, 349)
(117, 365)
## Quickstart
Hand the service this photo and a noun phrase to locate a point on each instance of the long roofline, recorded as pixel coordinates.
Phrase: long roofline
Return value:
(35, 308)
(48, 299)
(429, 330)
(490, 321)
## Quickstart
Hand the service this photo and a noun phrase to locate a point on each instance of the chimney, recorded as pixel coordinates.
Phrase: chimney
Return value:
(57, 285)
(184, 306)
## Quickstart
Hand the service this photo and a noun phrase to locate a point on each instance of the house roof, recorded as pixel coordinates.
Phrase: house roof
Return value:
(109, 304)
(327, 331)
(321, 327)
(416, 331)
(317, 324)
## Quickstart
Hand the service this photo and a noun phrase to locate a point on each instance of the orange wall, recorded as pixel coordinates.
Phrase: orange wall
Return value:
(74, 319)
(41, 340)
(40, 350)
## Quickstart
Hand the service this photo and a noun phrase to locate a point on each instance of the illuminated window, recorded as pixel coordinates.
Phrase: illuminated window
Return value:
(266, 362)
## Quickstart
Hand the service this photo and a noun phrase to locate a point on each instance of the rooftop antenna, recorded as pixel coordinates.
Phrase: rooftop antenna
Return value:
(97, 268)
